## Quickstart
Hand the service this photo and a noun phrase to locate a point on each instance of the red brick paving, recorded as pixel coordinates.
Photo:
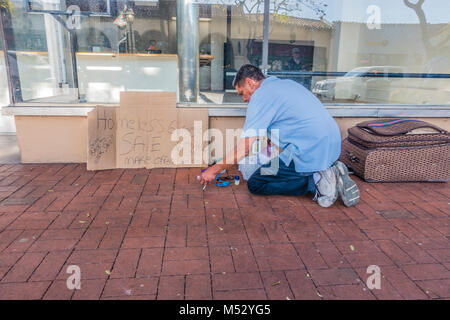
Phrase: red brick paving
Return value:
(153, 234)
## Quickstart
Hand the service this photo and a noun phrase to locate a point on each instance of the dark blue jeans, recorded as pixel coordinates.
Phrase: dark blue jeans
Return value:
(286, 181)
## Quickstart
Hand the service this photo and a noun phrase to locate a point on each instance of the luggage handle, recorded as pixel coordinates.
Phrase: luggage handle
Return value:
(352, 157)
(371, 126)
(436, 129)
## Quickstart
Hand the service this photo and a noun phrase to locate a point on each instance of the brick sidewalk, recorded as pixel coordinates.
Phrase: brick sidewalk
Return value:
(141, 234)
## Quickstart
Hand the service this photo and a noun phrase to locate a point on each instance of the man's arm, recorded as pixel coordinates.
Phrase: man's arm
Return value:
(233, 157)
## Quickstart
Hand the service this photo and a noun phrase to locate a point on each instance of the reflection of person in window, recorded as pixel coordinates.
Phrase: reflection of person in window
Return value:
(295, 64)
(152, 47)
(299, 64)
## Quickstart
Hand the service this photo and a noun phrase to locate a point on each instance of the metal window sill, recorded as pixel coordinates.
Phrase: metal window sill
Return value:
(239, 110)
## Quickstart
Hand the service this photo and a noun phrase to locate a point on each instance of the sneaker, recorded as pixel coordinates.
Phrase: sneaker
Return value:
(326, 187)
(347, 188)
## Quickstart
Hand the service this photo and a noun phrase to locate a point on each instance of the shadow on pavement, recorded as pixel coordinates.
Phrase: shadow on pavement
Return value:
(9, 149)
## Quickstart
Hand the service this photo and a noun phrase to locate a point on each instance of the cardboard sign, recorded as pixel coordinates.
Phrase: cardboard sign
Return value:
(102, 127)
(138, 133)
(143, 137)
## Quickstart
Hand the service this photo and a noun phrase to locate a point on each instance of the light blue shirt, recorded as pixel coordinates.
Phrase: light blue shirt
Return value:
(307, 132)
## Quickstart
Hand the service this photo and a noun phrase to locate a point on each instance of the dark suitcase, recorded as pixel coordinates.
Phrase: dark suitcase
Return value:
(397, 150)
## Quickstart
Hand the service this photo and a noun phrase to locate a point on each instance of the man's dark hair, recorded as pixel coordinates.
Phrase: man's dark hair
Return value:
(248, 71)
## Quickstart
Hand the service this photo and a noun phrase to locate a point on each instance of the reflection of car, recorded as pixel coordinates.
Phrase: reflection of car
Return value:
(325, 89)
(359, 84)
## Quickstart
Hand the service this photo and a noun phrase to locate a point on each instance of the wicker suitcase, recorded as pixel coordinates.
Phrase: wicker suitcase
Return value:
(398, 150)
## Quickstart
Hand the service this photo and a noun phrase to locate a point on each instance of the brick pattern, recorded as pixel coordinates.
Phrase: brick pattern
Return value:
(154, 234)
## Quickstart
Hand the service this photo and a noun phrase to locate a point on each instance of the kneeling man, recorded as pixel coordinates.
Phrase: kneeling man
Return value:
(294, 119)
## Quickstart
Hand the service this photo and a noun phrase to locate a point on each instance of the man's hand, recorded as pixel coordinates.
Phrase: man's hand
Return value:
(209, 174)
(239, 152)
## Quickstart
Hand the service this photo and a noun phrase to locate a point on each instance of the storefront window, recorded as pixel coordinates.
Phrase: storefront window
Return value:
(344, 51)
(133, 49)
(34, 73)
(363, 51)
(4, 98)
(229, 32)
(76, 51)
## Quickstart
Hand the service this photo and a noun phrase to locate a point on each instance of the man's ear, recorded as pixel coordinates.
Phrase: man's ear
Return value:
(250, 82)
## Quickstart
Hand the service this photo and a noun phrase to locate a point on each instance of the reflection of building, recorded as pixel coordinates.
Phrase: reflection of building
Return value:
(390, 48)
(356, 46)
(238, 40)
(232, 38)
(233, 41)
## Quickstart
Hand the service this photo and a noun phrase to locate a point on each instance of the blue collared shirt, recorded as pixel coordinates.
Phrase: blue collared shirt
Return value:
(295, 120)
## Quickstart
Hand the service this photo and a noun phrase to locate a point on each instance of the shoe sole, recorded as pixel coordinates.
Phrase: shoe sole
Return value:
(325, 203)
(348, 190)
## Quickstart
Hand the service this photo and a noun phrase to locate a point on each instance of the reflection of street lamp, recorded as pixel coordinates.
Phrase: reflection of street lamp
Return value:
(129, 16)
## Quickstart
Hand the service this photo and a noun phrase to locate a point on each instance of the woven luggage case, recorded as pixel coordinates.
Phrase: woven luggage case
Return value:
(397, 133)
(388, 150)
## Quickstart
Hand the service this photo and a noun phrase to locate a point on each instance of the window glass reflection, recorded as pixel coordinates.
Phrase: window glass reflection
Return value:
(344, 51)
(230, 33)
(363, 51)
(4, 97)
(74, 51)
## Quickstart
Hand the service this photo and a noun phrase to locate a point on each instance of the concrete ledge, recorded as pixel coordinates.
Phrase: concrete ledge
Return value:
(360, 111)
(50, 139)
(63, 139)
(239, 110)
(47, 111)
